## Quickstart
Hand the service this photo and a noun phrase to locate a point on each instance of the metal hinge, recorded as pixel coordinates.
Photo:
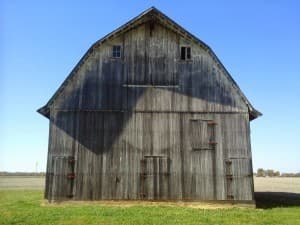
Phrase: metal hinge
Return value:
(211, 122)
(71, 176)
(229, 176)
(71, 159)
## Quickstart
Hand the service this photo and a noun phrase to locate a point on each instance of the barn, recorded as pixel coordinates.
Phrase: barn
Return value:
(149, 113)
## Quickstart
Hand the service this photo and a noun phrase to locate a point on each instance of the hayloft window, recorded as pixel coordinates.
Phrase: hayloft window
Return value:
(116, 51)
(185, 53)
(202, 134)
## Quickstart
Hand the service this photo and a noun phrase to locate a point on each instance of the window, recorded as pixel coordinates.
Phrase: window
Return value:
(116, 51)
(202, 134)
(185, 53)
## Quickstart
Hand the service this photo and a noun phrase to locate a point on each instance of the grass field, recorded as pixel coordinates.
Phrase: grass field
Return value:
(19, 206)
(22, 182)
(262, 184)
(277, 184)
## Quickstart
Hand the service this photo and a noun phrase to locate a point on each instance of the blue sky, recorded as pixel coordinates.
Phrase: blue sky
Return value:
(257, 41)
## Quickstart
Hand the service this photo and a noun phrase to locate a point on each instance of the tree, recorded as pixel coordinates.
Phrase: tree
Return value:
(269, 173)
(277, 174)
(260, 172)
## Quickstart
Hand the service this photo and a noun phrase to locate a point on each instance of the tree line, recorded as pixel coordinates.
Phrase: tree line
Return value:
(272, 173)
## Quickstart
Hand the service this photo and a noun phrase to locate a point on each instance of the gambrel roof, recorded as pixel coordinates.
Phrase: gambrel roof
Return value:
(150, 14)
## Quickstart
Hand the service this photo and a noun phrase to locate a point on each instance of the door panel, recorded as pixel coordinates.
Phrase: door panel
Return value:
(202, 161)
(62, 177)
(155, 178)
(241, 173)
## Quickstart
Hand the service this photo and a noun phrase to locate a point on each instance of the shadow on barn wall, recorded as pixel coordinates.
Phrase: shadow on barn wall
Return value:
(98, 131)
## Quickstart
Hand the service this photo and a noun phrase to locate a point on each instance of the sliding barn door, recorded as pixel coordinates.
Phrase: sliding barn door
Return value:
(62, 177)
(155, 178)
(202, 165)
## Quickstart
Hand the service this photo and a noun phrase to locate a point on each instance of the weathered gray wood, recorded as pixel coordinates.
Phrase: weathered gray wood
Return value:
(108, 163)
(149, 125)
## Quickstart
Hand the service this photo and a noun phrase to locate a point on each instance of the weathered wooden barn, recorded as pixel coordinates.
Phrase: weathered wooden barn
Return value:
(149, 113)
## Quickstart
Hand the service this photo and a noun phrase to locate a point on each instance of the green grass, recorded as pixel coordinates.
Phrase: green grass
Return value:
(24, 207)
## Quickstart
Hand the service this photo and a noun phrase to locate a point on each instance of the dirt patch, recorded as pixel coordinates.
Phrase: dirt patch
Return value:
(197, 205)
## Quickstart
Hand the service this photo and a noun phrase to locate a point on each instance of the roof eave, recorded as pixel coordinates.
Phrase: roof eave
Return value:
(253, 114)
(44, 111)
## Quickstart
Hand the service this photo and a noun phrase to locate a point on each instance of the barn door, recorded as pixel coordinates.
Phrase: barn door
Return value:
(62, 177)
(203, 146)
(239, 179)
(155, 177)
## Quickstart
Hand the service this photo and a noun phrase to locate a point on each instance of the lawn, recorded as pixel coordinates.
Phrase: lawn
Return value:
(28, 207)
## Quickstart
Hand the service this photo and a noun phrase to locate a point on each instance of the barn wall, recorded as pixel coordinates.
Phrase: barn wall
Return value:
(111, 138)
(109, 158)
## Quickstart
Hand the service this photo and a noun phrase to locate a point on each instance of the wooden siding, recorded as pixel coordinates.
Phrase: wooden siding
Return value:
(125, 128)
(112, 150)
(194, 85)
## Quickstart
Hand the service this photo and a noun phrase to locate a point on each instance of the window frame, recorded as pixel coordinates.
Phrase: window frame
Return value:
(187, 52)
(116, 53)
